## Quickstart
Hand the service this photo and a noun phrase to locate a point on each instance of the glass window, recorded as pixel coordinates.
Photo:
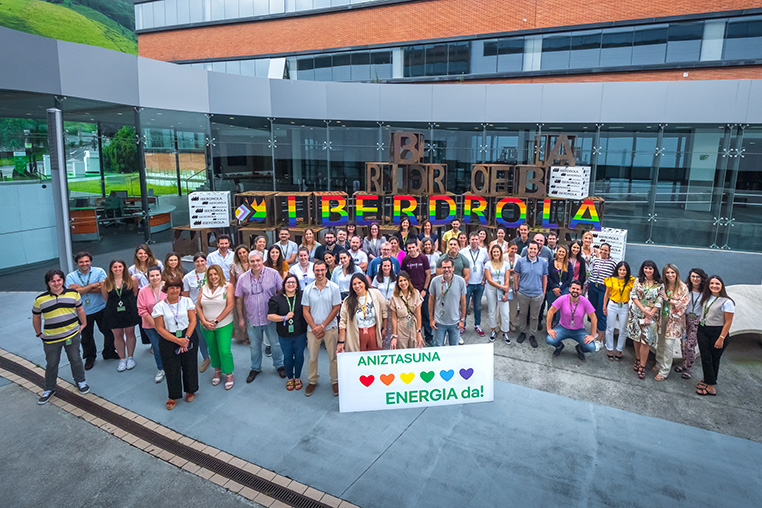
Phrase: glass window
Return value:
(321, 4)
(261, 7)
(336, 3)
(458, 55)
(217, 9)
(323, 68)
(415, 57)
(743, 40)
(555, 52)
(139, 17)
(381, 65)
(484, 57)
(510, 54)
(684, 44)
(263, 67)
(650, 45)
(249, 67)
(341, 67)
(305, 68)
(196, 11)
(616, 47)
(148, 16)
(303, 5)
(170, 12)
(585, 50)
(158, 14)
(436, 59)
(231, 9)
(183, 12)
(245, 8)
(277, 6)
(218, 66)
(233, 67)
(360, 66)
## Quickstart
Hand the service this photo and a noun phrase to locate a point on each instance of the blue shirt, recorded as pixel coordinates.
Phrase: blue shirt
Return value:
(530, 275)
(376, 262)
(92, 302)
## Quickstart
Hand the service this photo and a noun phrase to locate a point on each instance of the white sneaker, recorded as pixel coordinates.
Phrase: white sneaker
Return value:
(122, 365)
(506, 338)
(83, 387)
(461, 341)
(130, 363)
(492, 336)
(159, 376)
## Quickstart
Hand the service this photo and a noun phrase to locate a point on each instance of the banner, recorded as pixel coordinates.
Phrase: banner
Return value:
(617, 238)
(405, 378)
(209, 209)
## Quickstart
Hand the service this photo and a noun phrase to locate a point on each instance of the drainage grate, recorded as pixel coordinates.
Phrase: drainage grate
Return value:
(215, 465)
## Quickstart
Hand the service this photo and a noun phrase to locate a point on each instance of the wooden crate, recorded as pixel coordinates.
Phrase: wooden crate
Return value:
(302, 213)
(317, 208)
(256, 198)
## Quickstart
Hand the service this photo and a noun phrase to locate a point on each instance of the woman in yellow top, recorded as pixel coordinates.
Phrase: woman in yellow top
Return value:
(616, 306)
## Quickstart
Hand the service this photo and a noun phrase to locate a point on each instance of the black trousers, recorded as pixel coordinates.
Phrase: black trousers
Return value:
(89, 349)
(710, 355)
(180, 370)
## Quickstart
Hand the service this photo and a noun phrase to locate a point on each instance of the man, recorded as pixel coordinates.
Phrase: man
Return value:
(87, 281)
(321, 301)
(360, 258)
(476, 256)
(223, 256)
(545, 253)
(329, 245)
(530, 283)
(573, 309)
(386, 252)
(523, 238)
(447, 305)
(553, 244)
(417, 266)
(64, 316)
(452, 233)
(341, 239)
(459, 261)
(253, 292)
(288, 249)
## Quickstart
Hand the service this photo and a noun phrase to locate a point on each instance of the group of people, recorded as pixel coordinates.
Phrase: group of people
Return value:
(355, 293)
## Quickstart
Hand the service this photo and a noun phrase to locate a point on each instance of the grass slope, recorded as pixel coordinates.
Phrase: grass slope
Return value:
(67, 24)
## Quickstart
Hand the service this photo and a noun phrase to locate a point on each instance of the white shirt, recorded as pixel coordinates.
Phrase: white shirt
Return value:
(215, 258)
(287, 250)
(341, 280)
(305, 277)
(143, 276)
(386, 288)
(175, 315)
(191, 282)
(433, 258)
(359, 257)
(476, 263)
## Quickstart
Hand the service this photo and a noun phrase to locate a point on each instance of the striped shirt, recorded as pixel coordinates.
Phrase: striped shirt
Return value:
(600, 269)
(59, 313)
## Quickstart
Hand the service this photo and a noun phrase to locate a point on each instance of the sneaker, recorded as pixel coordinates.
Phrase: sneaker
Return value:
(130, 363)
(558, 349)
(506, 338)
(205, 364)
(478, 329)
(462, 330)
(159, 376)
(268, 351)
(83, 388)
(580, 353)
(45, 397)
(461, 341)
(532, 341)
(492, 336)
(522, 337)
(122, 365)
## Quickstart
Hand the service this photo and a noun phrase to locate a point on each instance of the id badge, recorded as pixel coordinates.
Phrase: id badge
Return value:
(120, 306)
(409, 321)
(290, 326)
(68, 342)
(619, 304)
(87, 301)
(692, 315)
(179, 333)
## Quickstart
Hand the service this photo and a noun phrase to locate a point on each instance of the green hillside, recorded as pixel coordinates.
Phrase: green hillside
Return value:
(67, 21)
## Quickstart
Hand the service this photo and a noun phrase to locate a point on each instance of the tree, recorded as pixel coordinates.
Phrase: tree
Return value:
(122, 152)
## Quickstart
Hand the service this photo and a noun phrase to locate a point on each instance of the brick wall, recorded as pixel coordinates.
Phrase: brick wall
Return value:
(406, 22)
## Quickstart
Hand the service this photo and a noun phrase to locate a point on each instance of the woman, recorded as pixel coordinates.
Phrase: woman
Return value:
(405, 232)
(260, 245)
(275, 260)
(141, 262)
(602, 267)
(172, 267)
(343, 273)
(351, 231)
(717, 310)
(285, 309)
(396, 251)
(303, 268)
(309, 242)
(498, 293)
(330, 264)
(500, 240)
(386, 280)
(427, 232)
(148, 297)
(483, 243)
(405, 312)
(371, 244)
(588, 254)
(240, 266)
(511, 258)
(645, 303)
(120, 290)
(175, 319)
(214, 310)
(559, 279)
(616, 308)
(428, 250)
(193, 281)
(462, 240)
(674, 296)
(578, 262)
(696, 282)
(363, 318)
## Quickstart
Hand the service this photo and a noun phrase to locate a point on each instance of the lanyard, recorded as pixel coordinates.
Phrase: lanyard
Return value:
(706, 310)
(694, 302)
(365, 306)
(200, 281)
(119, 292)
(573, 310)
(291, 304)
(444, 292)
(88, 277)
(176, 313)
(388, 283)
(304, 272)
(405, 301)
(474, 258)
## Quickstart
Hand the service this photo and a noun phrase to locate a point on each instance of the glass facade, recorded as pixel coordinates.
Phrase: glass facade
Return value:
(659, 45)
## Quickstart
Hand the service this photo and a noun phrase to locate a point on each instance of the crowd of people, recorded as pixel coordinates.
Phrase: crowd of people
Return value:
(365, 293)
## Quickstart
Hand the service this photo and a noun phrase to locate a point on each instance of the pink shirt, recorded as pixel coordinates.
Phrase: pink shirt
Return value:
(146, 303)
(564, 306)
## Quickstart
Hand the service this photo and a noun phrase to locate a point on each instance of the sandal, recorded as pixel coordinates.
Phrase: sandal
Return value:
(701, 385)
(679, 368)
(290, 385)
(659, 377)
(610, 355)
(229, 382)
(618, 357)
(170, 404)
(641, 372)
(704, 392)
(686, 374)
(297, 384)
(189, 397)
(216, 379)
(636, 366)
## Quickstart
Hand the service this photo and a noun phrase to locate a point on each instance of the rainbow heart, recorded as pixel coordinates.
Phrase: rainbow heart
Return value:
(427, 376)
(387, 378)
(367, 380)
(466, 373)
(407, 378)
(447, 374)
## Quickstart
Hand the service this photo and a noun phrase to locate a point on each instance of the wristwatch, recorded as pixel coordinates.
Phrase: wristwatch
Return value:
(418, 331)
(216, 322)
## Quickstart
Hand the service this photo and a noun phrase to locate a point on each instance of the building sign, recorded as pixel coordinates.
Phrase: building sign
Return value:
(405, 378)
(209, 209)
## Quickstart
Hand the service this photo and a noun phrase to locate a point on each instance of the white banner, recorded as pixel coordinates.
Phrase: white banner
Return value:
(569, 182)
(403, 378)
(617, 238)
(209, 209)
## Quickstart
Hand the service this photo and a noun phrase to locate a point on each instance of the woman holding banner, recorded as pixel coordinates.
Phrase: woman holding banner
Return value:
(363, 318)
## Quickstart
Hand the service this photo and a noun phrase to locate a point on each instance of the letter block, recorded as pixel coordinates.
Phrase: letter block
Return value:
(406, 147)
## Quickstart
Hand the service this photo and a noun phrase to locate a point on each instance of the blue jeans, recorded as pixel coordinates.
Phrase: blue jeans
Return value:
(475, 292)
(595, 293)
(293, 354)
(578, 335)
(452, 332)
(154, 337)
(256, 334)
(202, 347)
(427, 331)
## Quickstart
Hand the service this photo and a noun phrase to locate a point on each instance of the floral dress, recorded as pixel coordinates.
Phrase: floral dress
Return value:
(674, 313)
(637, 328)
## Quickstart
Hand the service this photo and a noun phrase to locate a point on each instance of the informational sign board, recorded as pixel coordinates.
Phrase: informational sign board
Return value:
(20, 161)
(209, 209)
(617, 238)
(405, 378)
(569, 182)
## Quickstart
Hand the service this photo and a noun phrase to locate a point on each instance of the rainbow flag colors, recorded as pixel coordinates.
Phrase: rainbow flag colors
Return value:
(361, 208)
(579, 218)
(292, 211)
(451, 208)
(409, 209)
(340, 208)
(546, 215)
(475, 205)
(511, 201)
